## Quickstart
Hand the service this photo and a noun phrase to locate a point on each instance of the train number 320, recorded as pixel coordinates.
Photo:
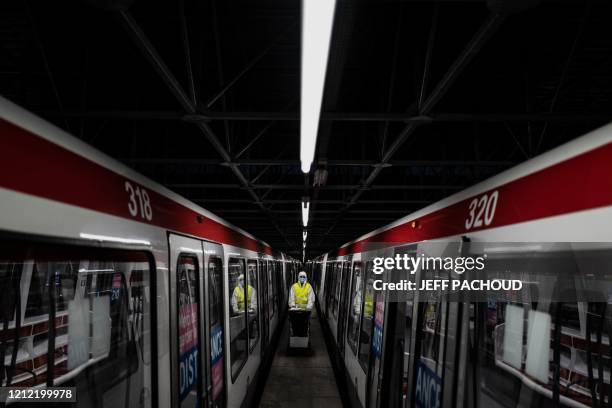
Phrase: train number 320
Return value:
(482, 210)
(139, 203)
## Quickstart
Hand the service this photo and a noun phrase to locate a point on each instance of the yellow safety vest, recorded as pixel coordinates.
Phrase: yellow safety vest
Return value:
(239, 294)
(301, 294)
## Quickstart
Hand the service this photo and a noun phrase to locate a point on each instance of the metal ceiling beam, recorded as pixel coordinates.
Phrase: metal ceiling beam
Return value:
(299, 200)
(262, 132)
(332, 163)
(296, 218)
(187, 53)
(328, 187)
(485, 31)
(149, 51)
(568, 117)
(318, 211)
(428, 56)
(248, 67)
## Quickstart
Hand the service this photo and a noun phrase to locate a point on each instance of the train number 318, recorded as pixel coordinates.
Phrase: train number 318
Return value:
(482, 210)
(139, 200)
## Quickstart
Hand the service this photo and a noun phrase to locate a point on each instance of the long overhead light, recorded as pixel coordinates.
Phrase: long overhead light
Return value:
(114, 239)
(305, 210)
(317, 22)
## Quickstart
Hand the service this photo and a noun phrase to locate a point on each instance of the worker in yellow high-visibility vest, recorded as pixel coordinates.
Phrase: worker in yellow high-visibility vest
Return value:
(238, 297)
(369, 305)
(301, 294)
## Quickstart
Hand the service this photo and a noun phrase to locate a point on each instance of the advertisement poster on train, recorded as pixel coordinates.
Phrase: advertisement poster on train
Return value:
(116, 288)
(188, 346)
(216, 360)
(378, 328)
(428, 387)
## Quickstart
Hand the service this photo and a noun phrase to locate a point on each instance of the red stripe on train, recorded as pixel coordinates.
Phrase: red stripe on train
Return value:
(577, 184)
(33, 165)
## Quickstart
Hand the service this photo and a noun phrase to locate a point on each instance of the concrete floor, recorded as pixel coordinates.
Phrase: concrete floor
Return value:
(302, 379)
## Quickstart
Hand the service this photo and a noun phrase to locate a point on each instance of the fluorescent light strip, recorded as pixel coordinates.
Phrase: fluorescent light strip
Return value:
(317, 23)
(305, 210)
(188, 249)
(114, 239)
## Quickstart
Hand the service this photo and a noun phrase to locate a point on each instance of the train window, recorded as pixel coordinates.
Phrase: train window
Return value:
(238, 328)
(65, 286)
(271, 297)
(278, 296)
(188, 330)
(330, 287)
(288, 276)
(91, 307)
(275, 272)
(276, 277)
(215, 299)
(431, 331)
(538, 352)
(337, 287)
(367, 317)
(356, 302)
(319, 270)
(215, 282)
(251, 307)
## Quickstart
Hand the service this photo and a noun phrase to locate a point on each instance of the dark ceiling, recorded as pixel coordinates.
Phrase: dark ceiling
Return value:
(422, 99)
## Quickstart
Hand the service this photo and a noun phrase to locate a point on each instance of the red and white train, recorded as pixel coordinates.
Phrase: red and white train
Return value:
(114, 285)
(540, 222)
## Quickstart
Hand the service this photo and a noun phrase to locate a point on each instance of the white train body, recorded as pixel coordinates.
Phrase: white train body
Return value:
(557, 203)
(136, 258)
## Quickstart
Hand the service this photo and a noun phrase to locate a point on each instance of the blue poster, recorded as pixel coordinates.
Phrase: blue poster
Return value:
(377, 341)
(428, 387)
(216, 343)
(188, 372)
(216, 360)
(377, 337)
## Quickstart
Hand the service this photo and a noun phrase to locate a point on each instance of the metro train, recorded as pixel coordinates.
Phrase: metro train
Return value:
(116, 286)
(547, 222)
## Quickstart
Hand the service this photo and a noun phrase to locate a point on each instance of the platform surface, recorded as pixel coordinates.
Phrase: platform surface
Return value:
(302, 379)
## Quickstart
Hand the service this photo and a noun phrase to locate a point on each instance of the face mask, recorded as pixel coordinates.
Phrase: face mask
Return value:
(241, 283)
(302, 280)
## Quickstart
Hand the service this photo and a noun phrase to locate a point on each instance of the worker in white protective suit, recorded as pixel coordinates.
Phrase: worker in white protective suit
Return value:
(301, 294)
(240, 299)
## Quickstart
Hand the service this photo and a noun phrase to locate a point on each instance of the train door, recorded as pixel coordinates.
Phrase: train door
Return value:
(329, 285)
(344, 290)
(372, 356)
(186, 275)
(278, 288)
(436, 334)
(215, 311)
(272, 301)
(263, 308)
(334, 297)
(360, 313)
(385, 358)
